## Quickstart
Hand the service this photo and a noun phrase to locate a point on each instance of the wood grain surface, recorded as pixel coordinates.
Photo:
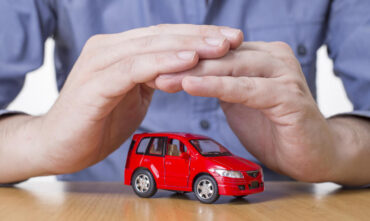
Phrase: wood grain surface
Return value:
(114, 201)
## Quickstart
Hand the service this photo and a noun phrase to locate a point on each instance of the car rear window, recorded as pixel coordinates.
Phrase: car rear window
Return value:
(142, 146)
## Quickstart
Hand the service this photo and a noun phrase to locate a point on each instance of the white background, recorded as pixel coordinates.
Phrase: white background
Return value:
(40, 91)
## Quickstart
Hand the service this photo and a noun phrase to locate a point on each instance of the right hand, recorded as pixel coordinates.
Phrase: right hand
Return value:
(106, 96)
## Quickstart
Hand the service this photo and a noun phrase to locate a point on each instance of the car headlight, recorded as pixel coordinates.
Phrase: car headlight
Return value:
(263, 178)
(229, 173)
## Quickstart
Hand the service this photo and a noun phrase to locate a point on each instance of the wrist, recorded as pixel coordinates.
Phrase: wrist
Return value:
(32, 143)
(20, 148)
(346, 148)
(41, 145)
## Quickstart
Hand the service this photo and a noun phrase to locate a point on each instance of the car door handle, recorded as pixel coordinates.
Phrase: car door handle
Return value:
(168, 163)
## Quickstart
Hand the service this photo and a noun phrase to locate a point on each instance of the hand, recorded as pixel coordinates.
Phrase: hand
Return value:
(268, 105)
(105, 97)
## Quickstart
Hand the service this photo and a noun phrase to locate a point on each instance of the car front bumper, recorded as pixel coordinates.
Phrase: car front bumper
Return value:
(239, 187)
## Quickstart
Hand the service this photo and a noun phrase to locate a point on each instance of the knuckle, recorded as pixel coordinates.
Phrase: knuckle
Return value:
(283, 51)
(95, 39)
(159, 59)
(203, 30)
(237, 70)
(281, 45)
(235, 55)
(282, 48)
(159, 28)
(128, 64)
(295, 86)
(289, 60)
(147, 42)
(208, 30)
(189, 41)
(248, 84)
(221, 85)
(92, 45)
(152, 28)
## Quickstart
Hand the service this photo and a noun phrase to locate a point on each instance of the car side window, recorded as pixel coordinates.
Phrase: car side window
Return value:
(143, 145)
(175, 148)
(157, 146)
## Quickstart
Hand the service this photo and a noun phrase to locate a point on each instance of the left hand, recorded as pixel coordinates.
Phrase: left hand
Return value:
(268, 105)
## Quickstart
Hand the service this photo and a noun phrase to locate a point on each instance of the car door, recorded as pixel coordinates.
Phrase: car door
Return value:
(153, 158)
(176, 164)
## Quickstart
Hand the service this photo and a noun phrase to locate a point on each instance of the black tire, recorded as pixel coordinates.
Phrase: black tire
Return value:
(143, 183)
(210, 193)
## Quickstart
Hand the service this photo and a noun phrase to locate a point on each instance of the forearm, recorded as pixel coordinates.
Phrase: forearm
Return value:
(20, 150)
(352, 143)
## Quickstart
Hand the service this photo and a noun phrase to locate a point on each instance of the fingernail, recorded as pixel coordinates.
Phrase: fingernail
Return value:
(229, 33)
(186, 55)
(214, 41)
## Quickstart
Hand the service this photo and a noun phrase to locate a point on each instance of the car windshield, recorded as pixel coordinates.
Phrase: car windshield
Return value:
(208, 147)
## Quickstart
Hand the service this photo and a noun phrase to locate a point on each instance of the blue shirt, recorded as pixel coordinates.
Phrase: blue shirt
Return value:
(343, 25)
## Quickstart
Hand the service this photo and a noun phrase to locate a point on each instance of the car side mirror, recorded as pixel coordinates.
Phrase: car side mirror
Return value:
(185, 155)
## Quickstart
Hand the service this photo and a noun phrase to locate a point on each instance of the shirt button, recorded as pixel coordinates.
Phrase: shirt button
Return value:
(204, 124)
(302, 50)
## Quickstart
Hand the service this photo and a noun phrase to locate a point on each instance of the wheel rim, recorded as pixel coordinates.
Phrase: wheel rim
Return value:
(142, 183)
(205, 189)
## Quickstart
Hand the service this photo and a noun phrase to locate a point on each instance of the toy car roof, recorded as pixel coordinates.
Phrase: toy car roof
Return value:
(180, 134)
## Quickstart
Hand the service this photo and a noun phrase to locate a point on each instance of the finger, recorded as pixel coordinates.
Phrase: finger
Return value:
(235, 63)
(254, 92)
(206, 47)
(234, 36)
(277, 48)
(121, 77)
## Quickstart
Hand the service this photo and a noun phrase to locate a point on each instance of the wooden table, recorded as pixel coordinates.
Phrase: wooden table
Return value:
(113, 201)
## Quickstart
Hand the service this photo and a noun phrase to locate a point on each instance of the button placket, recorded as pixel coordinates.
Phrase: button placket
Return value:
(301, 50)
(203, 111)
(204, 124)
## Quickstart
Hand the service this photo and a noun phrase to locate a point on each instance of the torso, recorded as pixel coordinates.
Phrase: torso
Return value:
(301, 24)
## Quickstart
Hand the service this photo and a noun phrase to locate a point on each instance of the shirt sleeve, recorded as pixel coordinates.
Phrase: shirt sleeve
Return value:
(24, 27)
(348, 41)
(10, 184)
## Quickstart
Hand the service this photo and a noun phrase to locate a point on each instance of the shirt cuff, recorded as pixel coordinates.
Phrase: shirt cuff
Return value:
(10, 184)
(9, 112)
(355, 113)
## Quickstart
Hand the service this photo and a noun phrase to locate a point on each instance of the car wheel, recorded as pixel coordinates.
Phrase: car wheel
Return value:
(143, 183)
(206, 189)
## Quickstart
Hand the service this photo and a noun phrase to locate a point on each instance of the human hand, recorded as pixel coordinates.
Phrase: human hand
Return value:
(105, 97)
(268, 105)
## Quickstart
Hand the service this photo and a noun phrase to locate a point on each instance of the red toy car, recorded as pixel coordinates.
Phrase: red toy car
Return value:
(188, 162)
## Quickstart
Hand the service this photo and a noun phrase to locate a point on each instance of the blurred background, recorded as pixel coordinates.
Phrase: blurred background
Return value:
(40, 90)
